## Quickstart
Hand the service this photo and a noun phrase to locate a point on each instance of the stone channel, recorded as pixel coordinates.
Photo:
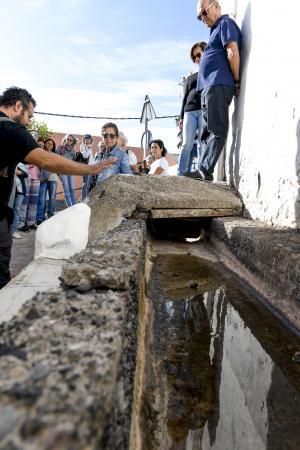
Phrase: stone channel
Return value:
(151, 343)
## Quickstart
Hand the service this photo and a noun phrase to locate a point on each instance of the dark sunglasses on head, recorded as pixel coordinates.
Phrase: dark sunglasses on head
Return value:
(108, 135)
(203, 13)
(198, 55)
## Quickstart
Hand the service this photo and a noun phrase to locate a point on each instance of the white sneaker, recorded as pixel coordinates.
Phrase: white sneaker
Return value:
(16, 235)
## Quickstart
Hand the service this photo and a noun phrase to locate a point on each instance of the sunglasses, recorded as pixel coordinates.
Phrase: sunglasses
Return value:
(198, 55)
(204, 12)
(109, 135)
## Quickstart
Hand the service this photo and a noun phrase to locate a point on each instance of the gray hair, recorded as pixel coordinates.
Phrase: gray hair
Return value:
(64, 141)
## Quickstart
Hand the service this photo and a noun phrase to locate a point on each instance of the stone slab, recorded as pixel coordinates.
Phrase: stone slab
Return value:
(189, 213)
(271, 257)
(122, 197)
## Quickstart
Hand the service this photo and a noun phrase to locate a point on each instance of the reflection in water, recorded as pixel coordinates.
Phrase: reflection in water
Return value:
(188, 369)
(218, 371)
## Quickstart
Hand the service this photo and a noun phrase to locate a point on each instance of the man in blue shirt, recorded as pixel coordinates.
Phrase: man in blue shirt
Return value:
(110, 134)
(218, 82)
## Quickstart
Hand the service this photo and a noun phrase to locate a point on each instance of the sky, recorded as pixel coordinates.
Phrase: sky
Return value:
(100, 58)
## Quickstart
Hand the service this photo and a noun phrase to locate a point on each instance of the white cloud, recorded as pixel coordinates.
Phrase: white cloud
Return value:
(94, 103)
(33, 3)
(80, 39)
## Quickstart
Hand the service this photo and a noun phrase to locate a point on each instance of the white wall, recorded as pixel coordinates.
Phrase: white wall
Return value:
(263, 148)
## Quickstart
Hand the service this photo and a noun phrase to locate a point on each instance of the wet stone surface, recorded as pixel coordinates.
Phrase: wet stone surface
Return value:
(218, 369)
(271, 255)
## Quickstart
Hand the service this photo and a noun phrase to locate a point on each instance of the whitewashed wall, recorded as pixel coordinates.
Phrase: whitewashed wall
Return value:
(263, 148)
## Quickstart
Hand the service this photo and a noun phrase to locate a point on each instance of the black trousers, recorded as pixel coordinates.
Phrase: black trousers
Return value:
(215, 102)
(5, 252)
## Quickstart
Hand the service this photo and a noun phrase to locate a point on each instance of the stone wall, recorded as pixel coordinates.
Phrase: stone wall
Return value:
(67, 360)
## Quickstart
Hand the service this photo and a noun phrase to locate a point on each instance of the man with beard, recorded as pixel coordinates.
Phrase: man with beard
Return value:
(17, 145)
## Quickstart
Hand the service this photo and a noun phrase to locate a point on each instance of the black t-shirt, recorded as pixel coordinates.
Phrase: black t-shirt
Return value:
(15, 144)
(192, 99)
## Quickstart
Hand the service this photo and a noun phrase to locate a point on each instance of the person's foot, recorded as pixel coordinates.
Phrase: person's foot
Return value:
(32, 227)
(24, 229)
(16, 235)
(198, 175)
(38, 222)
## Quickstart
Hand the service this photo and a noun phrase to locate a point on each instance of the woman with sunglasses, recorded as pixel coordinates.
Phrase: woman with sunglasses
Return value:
(110, 135)
(190, 115)
(67, 151)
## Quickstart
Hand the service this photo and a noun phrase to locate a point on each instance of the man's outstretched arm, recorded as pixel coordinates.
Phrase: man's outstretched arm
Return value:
(58, 164)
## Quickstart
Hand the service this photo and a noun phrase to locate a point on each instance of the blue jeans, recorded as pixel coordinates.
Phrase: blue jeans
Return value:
(192, 122)
(86, 183)
(17, 208)
(67, 182)
(50, 187)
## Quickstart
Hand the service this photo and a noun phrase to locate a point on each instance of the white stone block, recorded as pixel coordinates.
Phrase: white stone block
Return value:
(64, 234)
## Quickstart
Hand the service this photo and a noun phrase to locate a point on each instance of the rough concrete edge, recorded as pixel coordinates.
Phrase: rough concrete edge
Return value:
(117, 428)
(120, 197)
(253, 268)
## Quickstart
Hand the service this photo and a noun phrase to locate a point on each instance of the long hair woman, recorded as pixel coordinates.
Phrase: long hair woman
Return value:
(48, 183)
(67, 150)
(160, 164)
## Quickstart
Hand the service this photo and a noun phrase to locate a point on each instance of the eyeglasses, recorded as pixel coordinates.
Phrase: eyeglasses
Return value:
(70, 139)
(204, 11)
(109, 135)
(198, 55)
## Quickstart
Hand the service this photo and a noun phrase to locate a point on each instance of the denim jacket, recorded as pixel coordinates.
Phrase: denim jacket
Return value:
(122, 166)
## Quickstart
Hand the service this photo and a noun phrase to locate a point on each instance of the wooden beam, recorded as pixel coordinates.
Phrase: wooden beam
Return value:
(182, 213)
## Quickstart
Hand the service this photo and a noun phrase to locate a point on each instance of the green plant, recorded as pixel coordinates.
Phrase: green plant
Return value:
(41, 128)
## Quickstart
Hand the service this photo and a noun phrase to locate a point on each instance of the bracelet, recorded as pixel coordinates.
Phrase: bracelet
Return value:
(236, 81)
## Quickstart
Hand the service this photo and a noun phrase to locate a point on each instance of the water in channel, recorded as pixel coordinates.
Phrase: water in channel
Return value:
(216, 367)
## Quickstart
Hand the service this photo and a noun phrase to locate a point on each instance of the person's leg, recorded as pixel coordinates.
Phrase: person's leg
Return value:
(24, 207)
(5, 252)
(65, 185)
(215, 103)
(190, 124)
(200, 125)
(40, 213)
(86, 182)
(33, 201)
(16, 208)
(71, 189)
(194, 154)
(52, 187)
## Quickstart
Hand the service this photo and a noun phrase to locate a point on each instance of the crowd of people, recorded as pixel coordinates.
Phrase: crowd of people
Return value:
(33, 197)
(30, 166)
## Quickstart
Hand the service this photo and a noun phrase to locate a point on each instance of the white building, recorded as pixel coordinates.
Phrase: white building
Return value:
(263, 147)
